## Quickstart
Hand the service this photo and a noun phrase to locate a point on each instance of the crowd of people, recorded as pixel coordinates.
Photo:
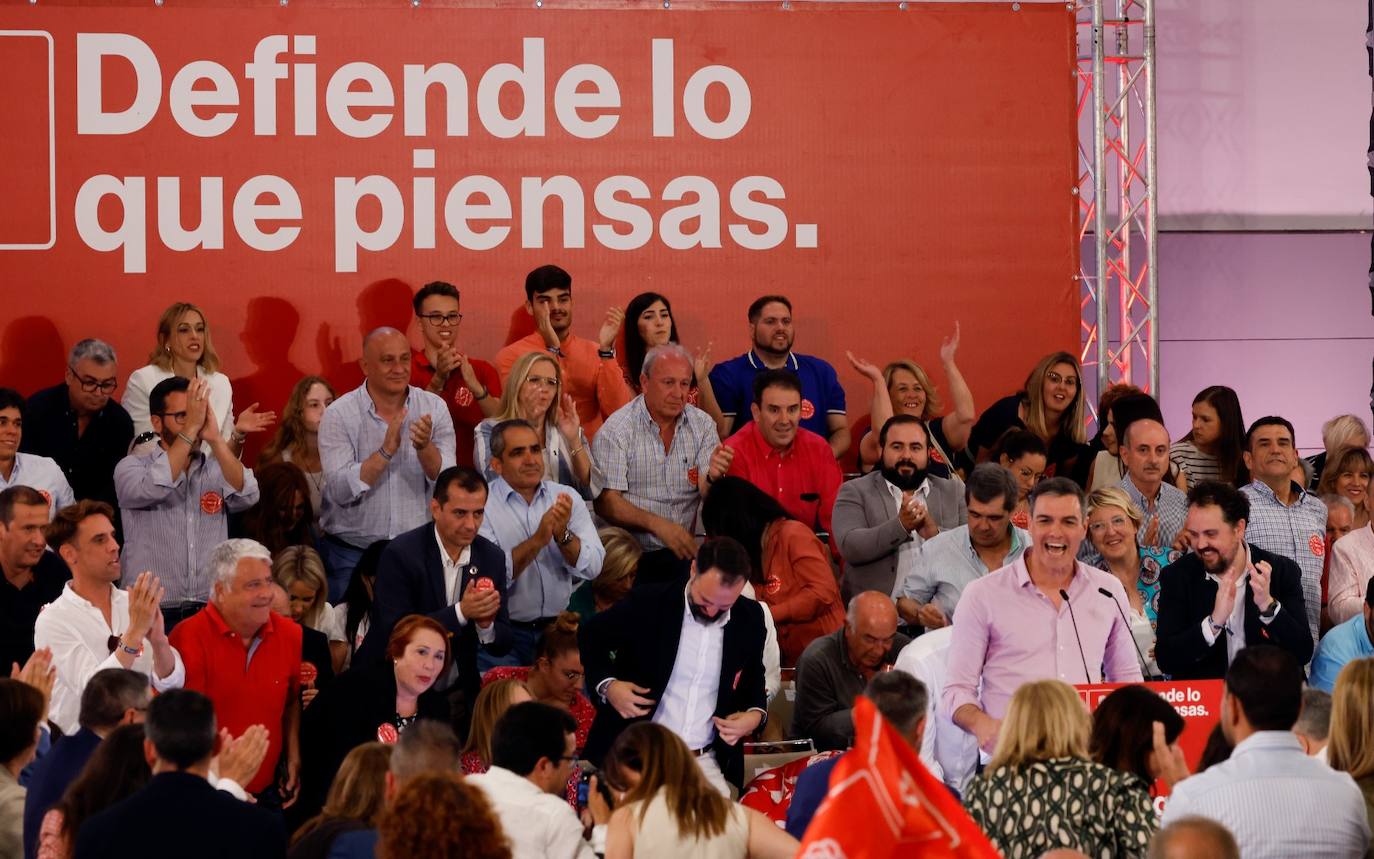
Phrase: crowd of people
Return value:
(539, 606)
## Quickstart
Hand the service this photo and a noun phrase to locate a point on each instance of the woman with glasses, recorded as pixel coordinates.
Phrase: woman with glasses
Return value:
(184, 349)
(534, 393)
(471, 387)
(556, 677)
(1113, 521)
(1051, 406)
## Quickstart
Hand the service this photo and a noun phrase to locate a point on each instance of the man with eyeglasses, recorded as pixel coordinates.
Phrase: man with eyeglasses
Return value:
(94, 625)
(175, 499)
(471, 387)
(27, 469)
(80, 426)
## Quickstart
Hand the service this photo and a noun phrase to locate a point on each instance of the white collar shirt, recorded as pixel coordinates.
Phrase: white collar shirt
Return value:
(909, 551)
(538, 824)
(689, 701)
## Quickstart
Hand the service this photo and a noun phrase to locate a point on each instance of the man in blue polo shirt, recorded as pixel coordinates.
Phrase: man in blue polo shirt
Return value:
(770, 323)
(1344, 643)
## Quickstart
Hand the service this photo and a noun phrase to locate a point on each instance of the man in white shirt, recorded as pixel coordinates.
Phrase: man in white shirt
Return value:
(94, 625)
(1276, 800)
(533, 753)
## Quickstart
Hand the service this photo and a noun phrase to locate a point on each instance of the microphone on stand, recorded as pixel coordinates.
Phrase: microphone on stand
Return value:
(1144, 665)
(1064, 595)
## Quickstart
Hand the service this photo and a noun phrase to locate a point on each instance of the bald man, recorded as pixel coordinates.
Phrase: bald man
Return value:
(1194, 838)
(835, 668)
(381, 445)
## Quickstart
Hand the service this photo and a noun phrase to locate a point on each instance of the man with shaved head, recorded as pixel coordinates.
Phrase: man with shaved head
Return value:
(382, 445)
(835, 668)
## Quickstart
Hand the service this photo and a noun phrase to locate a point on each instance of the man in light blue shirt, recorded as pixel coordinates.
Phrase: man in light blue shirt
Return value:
(952, 559)
(1276, 800)
(1344, 643)
(381, 447)
(546, 532)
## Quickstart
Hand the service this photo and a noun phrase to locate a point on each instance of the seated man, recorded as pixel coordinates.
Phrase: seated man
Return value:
(111, 698)
(1226, 593)
(32, 577)
(1194, 838)
(951, 559)
(1345, 642)
(1276, 800)
(247, 660)
(533, 751)
(775, 453)
(770, 326)
(1313, 727)
(382, 445)
(882, 518)
(94, 625)
(79, 425)
(175, 500)
(1285, 519)
(1352, 565)
(902, 700)
(27, 469)
(659, 454)
(179, 804)
(947, 751)
(1145, 457)
(1041, 617)
(834, 669)
(592, 376)
(469, 386)
(438, 570)
(545, 531)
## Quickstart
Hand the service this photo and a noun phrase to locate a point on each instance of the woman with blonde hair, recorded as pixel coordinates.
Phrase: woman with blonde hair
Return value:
(1051, 406)
(904, 388)
(617, 576)
(1350, 744)
(1041, 792)
(666, 808)
(1348, 474)
(534, 393)
(298, 438)
(300, 572)
(492, 703)
(356, 800)
(184, 349)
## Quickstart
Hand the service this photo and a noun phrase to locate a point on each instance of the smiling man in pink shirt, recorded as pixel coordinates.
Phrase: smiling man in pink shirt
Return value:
(1014, 625)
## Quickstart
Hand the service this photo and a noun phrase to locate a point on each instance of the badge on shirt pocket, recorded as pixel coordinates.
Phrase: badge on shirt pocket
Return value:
(693, 475)
(1317, 544)
(211, 503)
(463, 397)
(808, 410)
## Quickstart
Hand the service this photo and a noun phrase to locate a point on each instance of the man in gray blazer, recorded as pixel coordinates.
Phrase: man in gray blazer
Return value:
(881, 519)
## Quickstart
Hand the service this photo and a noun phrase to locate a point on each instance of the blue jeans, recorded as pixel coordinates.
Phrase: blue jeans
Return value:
(339, 561)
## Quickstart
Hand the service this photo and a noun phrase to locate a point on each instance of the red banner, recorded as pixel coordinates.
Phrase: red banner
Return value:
(298, 171)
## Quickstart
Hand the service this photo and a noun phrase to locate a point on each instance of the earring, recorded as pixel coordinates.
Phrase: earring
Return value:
(166, 348)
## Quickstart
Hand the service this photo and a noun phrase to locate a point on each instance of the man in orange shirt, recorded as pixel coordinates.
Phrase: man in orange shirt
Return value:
(591, 374)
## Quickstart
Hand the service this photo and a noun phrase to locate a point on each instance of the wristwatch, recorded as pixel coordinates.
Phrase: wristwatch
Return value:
(606, 353)
(1217, 629)
(566, 538)
(1272, 609)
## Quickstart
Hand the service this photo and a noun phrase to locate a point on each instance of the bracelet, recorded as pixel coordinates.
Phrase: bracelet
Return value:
(606, 353)
(555, 350)
(385, 455)
(132, 651)
(575, 451)
(482, 396)
(238, 437)
(186, 438)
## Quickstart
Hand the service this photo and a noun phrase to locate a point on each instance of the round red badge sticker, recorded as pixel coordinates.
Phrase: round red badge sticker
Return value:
(463, 397)
(484, 584)
(693, 475)
(387, 733)
(211, 502)
(936, 457)
(773, 585)
(1317, 544)
(808, 410)
(309, 673)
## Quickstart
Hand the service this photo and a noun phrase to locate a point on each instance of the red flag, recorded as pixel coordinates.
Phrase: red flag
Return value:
(884, 803)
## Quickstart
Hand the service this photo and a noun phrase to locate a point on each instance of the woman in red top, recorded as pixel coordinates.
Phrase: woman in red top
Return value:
(791, 568)
(556, 676)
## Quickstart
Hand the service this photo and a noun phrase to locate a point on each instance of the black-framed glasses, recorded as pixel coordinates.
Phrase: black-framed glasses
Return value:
(180, 417)
(447, 320)
(90, 385)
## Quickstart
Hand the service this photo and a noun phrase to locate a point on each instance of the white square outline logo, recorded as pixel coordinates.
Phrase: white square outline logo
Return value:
(52, 149)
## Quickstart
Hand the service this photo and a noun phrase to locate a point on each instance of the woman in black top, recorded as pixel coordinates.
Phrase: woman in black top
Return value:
(1051, 406)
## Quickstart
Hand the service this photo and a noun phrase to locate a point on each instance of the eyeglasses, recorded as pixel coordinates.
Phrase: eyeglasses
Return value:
(1056, 379)
(90, 385)
(573, 676)
(447, 320)
(179, 417)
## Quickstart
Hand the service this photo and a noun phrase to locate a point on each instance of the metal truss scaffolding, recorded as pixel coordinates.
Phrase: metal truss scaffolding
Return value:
(1116, 194)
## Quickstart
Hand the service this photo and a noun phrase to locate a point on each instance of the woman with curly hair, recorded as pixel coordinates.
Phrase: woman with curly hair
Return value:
(436, 816)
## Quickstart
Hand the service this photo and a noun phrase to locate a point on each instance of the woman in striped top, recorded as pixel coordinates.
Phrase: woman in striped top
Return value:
(1212, 450)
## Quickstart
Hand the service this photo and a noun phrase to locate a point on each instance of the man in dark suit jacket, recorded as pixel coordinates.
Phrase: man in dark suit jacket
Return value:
(1226, 594)
(631, 656)
(462, 585)
(178, 813)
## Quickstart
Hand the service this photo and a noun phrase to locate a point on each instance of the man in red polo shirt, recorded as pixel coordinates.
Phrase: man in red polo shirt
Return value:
(794, 465)
(471, 387)
(247, 660)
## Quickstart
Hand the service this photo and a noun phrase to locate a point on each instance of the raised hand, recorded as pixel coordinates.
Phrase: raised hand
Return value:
(445, 361)
(239, 759)
(913, 512)
(864, 368)
(949, 346)
(468, 374)
(544, 326)
(480, 606)
(615, 317)
(420, 432)
(198, 411)
(391, 442)
(702, 365)
(1166, 762)
(39, 673)
(1225, 601)
(145, 599)
(569, 423)
(252, 420)
(1261, 578)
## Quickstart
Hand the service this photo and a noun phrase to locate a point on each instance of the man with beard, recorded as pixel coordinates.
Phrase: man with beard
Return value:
(947, 564)
(790, 463)
(591, 374)
(770, 326)
(1045, 616)
(1227, 594)
(882, 518)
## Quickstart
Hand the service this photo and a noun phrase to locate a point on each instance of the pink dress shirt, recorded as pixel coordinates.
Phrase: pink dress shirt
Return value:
(1006, 632)
(1352, 565)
